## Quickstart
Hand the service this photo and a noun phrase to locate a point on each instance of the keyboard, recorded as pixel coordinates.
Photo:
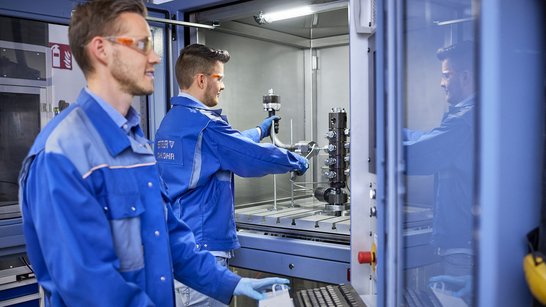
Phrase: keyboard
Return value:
(418, 298)
(431, 297)
(329, 296)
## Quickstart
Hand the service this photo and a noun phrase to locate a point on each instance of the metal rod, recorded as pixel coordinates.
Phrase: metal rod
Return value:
(275, 139)
(181, 23)
(291, 193)
(266, 202)
(274, 191)
(291, 181)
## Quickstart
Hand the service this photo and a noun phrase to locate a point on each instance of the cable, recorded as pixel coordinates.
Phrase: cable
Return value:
(311, 151)
(303, 188)
(22, 258)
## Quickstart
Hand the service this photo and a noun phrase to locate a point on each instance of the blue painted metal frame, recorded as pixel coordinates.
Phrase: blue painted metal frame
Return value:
(380, 149)
(19, 291)
(512, 63)
(319, 261)
(57, 11)
(389, 156)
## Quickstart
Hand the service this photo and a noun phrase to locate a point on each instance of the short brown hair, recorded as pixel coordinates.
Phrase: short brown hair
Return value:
(197, 59)
(461, 55)
(97, 18)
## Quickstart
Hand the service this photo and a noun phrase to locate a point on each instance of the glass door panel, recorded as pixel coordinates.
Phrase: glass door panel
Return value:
(19, 125)
(438, 146)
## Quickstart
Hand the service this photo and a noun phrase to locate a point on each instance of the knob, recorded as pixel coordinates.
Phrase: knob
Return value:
(372, 193)
(330, 161)
(330, 134)
(330, 174)
(347, 159)
(331, 148)
(347, 145)
(347, 132)
(347, 172)
(291, 266)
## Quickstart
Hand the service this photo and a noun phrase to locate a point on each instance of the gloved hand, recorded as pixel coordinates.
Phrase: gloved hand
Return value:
(463, 284)
(303, 164)
(250, 286)
(265, 126)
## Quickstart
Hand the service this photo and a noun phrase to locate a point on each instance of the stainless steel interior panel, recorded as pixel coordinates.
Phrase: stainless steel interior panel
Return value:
(305, 215)
(339, 224)
(254, 68)
(290, 214)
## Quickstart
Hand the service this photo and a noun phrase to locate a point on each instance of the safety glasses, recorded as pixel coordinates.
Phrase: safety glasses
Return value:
(218, 77)
(144, 45)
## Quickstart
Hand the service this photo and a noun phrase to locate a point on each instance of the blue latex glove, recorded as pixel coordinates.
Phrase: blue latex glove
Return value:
(265, 126)
(303, 164)
(462, 283)
(251, 287)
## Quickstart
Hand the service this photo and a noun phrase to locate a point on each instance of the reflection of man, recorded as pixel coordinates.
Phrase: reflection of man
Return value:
(198, 152)
(447, 153)
(97, 226)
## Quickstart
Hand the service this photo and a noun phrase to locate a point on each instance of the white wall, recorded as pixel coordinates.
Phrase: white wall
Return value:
(65, 84)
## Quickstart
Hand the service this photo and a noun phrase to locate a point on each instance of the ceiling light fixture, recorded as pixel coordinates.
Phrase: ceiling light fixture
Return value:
(159, 1)
(263, 18)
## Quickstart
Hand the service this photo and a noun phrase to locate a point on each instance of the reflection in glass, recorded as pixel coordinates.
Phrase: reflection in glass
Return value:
(22, 64)
(439, 152)
(154, 105)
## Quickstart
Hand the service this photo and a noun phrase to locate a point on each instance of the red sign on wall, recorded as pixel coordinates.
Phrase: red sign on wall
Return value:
(61, 56)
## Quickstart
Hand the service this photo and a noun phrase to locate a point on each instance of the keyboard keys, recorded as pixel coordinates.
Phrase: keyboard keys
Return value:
(329, 296)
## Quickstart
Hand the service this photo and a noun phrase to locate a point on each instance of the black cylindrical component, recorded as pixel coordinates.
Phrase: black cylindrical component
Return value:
(321, 193)
(271, 104)
(271, 98)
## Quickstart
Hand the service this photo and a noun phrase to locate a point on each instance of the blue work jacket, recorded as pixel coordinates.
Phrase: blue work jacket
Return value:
(98, 227)
(198, 152)
(447, 152)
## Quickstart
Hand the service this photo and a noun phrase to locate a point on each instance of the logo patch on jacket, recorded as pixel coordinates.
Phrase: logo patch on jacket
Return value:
(168, 150)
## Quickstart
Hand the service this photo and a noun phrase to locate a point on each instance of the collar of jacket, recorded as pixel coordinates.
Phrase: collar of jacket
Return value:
(113, 136)
(190, 103)
(467, 103)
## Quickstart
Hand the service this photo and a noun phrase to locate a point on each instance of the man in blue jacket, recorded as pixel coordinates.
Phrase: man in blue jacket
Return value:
(447, 153)
(198, 152)
(98, 226)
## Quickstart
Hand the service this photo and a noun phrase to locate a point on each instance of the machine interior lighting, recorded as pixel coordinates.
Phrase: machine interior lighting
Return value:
(287, 14)
(263, 18)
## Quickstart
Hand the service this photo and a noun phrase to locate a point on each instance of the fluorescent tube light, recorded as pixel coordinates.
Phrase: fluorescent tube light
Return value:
(160, 1)
(287, 14)
(300, 11)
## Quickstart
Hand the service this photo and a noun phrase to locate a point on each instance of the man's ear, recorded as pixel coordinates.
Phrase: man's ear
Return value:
(466, 76)
(98, 50)
(200, 80)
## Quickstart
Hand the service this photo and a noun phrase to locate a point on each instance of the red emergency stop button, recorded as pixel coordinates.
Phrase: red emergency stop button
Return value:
(366, 257)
